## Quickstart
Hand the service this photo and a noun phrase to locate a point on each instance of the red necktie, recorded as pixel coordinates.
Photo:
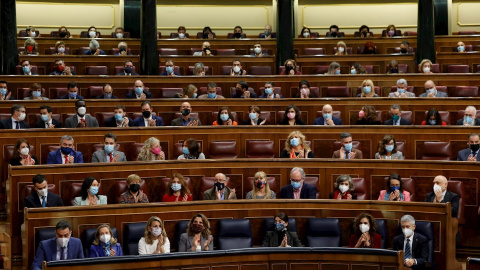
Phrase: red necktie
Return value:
(111, 157)
(66, 159)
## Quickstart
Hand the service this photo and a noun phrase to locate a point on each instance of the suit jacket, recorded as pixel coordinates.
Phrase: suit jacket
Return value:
(271, 239)
(186, 241)
(397, 155)
(123, 74)
(451, 197)
(409, 94)
(33, 201)
(179, 123)
(166, 74)
(210, 194)
(358, 154)
(102, 200)
(205, 96)
(103, 97)
(89, 52)
(321, 121)
(252, 94)
(308, 192)
(97, 250)
(134, 96)
(72, 121)
(439, 94)
(111, 122)
(463, 154)
(101, 156)
(403, 122)
(68, 97)
(248, 122)
(55, 157)
(419, 248)
(139, 122)
(47, 251)
(41, 124)
(460, 122)
(7, 124)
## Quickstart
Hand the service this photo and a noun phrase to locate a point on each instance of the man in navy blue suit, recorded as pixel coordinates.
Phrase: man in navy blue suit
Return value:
(72, 92)
(396, 119)
(40, 196)
(327, 118)
(107, 92)
(139, 91)
(66, 154)
(148, 119)
(169, 69)
(471, 153)
(62, 247)
(16, 121)
(4, 94)
(414, 245)
(298, 189)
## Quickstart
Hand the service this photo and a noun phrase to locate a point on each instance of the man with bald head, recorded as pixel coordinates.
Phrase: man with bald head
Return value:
(327, 118)
(298, 189)
(139, 91)
(431, 91)
(186, 119)
(440, 194)
(267, 32)
(220, 191)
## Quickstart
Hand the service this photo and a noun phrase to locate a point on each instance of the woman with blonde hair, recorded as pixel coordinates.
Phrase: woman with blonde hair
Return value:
(425, 66)
(261, 190)
(104, 245)
(367, 89)
(188, 92)
(151, 151)
(31, 47)
(290, 68)
(341, 48)
(133, 193)
(296, 146)
(154, 240)
(198, 236)
(177, 190)
(333, 69)
(199, 69)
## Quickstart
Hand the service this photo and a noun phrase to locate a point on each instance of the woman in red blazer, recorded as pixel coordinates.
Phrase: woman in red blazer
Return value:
(365, 233)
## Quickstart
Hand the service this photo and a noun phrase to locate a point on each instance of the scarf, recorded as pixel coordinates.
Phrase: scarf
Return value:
(301, 154)
(106, 248)
(387, 196)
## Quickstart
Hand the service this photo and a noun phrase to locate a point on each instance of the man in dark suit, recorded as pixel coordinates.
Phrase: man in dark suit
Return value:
(220, 191)
(347, 151)
(81, 119)
(431, 91)
(396, 120)
(139, 91)
(120, 118)
(327, 118)
(16, 121)
(148, 119)
(61, 69)
(169, 69)
(46, 120)
(128, 69)
(72, 92)
(186, 119)
(298, 189)
(27, 68)
(471, 153)
(62, 247)
(414, 245)
(241, 91)
(66, 154)
(469, 117)
(440, 194)
(4, 94)
(109, 154)
(107, 92)
(42, 197)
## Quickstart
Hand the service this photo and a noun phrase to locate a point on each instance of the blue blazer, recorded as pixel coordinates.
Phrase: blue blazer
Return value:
(321, 121)
(97, 250)
(68, 97)
(403, 122)
(463, 154)
(47, 251)
(139, 122)
(308, 192)
(7, 124)
(133, 95)
(55, 157)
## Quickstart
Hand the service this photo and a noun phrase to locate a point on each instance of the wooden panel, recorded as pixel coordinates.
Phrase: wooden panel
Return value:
(337, 266)
(303, 266)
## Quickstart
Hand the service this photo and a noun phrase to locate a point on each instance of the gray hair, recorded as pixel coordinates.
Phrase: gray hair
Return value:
(197, 67)
(408, 218)
(343, 178)
(94, 44)
(395, 106)
(344, 135)
(402, 81)
(66, 137)
(122, 43)
(302, 172)
(472, 108)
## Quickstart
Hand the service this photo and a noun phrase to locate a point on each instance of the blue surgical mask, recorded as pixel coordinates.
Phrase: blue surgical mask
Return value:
(109, 148)
(138, 91)
(169, 70)
(72, 95)
(93, 190)
(26, 69)
(327, 116)
(36, 94)
(389, 148)
(430, 91)
(118, 117)
(461, 48)
(367, 89)
(252, 115)
(224, 117)
(44, 117)
(348, 147)
(194, 95)
(176, 186)
(268, 91)
(3, 91)
(337, 71)
(212, 95)
(432, 121)
(185, 151)
(107, 96)
(393, 189)
(401, 91)
(353, 71)
(295, 185)
(279, 227)
(468, 119)
(294, 141)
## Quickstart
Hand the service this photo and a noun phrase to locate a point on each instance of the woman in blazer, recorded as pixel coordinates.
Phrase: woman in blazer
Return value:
(394, 191)
(90, 193)
(104, 245)
(281, 237)
(387, 149)
(198, 236)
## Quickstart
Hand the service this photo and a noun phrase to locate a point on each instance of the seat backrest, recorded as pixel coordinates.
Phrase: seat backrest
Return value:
(94, 91)
(313, 180)
(360, 188)
(234, 234)
(120, 69)
(120, 187)
(425, 228)
(260, 149)
(407, 115)
(368, 69)
(132, 233)
(458, 69)
(338, 91)
(96, 70)
(260, 70)
(314, 51)
(102, 117)
(321, 69)
(382, 230)
(323, 232)
(466, 91)
(44, 234)
(436, 151)
(409, 33)
(168, 51)
(88, 236)
(457, 187)
(180, 227)
(223, 149)
(169, 92)
(226, 51)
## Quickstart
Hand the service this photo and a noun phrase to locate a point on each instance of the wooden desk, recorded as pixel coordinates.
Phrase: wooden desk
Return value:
(472, 59)
(451, 41)
(473, 263)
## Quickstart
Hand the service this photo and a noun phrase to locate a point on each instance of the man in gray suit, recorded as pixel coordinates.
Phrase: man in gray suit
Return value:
(81, 119)
(109, 154)
(431, 91)
(186, 119)
(220, 191)
(401, 90)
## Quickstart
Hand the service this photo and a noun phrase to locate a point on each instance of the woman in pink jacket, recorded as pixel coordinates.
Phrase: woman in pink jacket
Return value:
(394, 191)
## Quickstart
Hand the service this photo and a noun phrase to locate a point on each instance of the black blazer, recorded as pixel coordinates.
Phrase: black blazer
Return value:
(403, 122)
(134, 96)
(248, 122)
(308, 192)
(451, 197)
(68, 97)
(102, 97)
(271, 239)
(123, 74)
(460, 122)
(363, 121)
(7, 124)
(284, 122)
(16, 161)
(32, 200)
(41, 124)
(419, 248)
(111, 122)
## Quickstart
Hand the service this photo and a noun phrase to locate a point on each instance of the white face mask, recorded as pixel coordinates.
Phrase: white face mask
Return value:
(364, 228)
(92, 34)
(105, 238)
(42, 192)
(343, 188)
(407, 232)
(63, 242)
(181, 35)
(156, 231)
(257, 50)
(341, 49)
(306, 34)
(82, 111)
(22, 116)
(33, 34)
(119, 35)
(236, 69)
(25, 151)
(437, 187)
(426, 69)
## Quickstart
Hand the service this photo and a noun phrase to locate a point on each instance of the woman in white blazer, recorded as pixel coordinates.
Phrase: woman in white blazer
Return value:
(89, 193)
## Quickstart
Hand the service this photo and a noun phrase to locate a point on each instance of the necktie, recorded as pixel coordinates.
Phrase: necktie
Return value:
(346, 155)
(44, 201)
(408, 251)
(17, 125)
(62, 254)
(111, 157)
(66, 159)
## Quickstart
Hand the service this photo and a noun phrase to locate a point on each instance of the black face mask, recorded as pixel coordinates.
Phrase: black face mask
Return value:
(134, 187)
(333, 34)
(370, 51)
(146, 114)
(63, 34)
(403, 50)
(474, 147)
(238, 35)
(206, 49)
(122, 49)
(394, 70)
(205, 35)
(220, 186)
(287, 69)
(185, 112)
(364, 33)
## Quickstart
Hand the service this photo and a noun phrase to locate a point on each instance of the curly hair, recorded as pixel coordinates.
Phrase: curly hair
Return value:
(145, 153)
(183, 183)
(370, 113)
(302, 139)
(371, 220)
(385, 140)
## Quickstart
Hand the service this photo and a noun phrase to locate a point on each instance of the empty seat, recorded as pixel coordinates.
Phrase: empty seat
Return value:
(466, 91)
(260, 70)
(168, 51)
(457, 187)
(382, 230)
(321, 69)
(88, 236)
(96, 70)
(223, 149)
(368, 69)
(169, 92)
(225, 70)
(338, 91)
(323, 232)
(234, 234)
(94, 91)
(467, 33)
(458, 69)
(360, 188)
(132, 233)
(313, 180)
(55, 93)
(259, 149)
(436, 151)
(82, 50)
(226, 52)
(410, 33)
(407, 115)
(314, 51)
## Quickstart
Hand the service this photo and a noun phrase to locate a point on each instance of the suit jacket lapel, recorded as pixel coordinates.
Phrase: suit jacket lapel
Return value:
(53, 248)
(446, 198)
(414, 244)
(274, 239)
(36, 199)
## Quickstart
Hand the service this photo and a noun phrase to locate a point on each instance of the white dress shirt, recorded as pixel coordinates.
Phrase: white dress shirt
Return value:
(411, 246)
(59, 250)
(144, 248)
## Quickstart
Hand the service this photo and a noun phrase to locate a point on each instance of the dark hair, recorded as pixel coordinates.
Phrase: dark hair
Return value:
(405, 43)
(183, 183)
(126, 61)
(244, 85)
(230, 116)
(16, 107)
(304, 82)
(25, 61)
(92, 27)
(110, 135)
(119, 28)
(297, 114)
(38, 179)
(212, 85)
(395, 176)
(17, 146)
(255, 108)
(303, 29)
(85, 186)
(120, 106)
(433, 112)
(236, 60)
(282, 216)
(35, 86)
(371, 220)
(270, 83)
(5, 82)
(344, 135)
(363, 26)
(359, 68)
(370, 113)
(207, 28)
(77, 103)
(333, 26)
(49, 109)
(71, 85)
(193, 147)
(385, 140)
(146, 102)
(181, 28)
(62, 225)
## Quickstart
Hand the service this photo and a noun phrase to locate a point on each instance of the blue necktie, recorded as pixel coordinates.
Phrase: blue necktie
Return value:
(17, 125)
(44, 201)
(62, 254)
(408, 251)
(346, 155)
